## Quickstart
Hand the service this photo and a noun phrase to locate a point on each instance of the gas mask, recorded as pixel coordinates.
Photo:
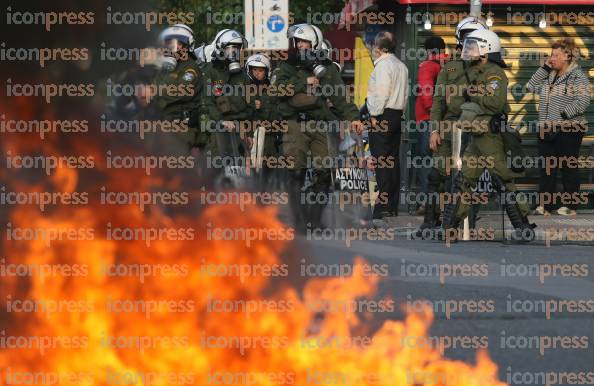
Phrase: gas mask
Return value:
(168, 63)
(170, 55)
(315, 61)
(175, 42)
(232, 55)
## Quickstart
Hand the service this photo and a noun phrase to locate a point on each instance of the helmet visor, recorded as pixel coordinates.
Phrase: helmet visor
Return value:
(183, 39)
(232, 52)
(170, 45)
(257, 63)
(180, 38)
(291, 31)
(471, 50)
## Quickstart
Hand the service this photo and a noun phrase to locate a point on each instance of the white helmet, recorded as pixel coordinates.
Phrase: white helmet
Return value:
(327, 48)
(200, 55)
(179, 32)
(469, 24)
(227, 46)
(204, 53)
(228, 37)
(306, 32)
(258, 60)
(481, 43)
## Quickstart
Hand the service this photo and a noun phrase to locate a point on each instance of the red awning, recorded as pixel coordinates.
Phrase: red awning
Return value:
(453, 2)
(353, 7)
(540, 2)
(535, 2)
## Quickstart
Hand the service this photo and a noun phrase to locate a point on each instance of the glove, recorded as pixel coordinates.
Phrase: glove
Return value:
(564, 115)
(498, 122)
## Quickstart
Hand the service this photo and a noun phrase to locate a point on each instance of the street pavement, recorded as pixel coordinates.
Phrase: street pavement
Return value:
(537, 313)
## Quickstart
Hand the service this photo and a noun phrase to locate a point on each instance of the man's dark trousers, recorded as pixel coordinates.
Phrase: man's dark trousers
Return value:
(384, 142)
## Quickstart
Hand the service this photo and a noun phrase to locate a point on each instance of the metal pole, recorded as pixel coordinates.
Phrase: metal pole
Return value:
(475, 8)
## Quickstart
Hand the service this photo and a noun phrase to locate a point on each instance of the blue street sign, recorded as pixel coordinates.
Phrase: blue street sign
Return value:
(275, 23)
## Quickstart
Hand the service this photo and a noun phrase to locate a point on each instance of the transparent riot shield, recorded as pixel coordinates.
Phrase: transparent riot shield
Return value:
(233, 152)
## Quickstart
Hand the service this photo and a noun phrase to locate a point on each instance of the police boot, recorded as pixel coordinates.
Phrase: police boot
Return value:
(321, 187)
(295, 184)
(524, 230)
(431, 217)
(450, 223)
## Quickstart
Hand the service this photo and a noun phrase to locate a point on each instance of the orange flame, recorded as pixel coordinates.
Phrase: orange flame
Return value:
(174, 341)
(271, 335)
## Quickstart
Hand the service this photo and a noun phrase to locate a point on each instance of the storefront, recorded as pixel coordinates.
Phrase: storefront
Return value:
(526, 28)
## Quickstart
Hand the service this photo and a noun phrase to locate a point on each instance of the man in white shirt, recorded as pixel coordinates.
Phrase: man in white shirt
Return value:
(387, 96)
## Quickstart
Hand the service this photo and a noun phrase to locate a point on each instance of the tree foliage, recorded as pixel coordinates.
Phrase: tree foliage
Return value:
(210, 16)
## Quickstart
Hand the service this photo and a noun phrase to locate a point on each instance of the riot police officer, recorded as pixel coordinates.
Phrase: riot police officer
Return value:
(445, 110)
(225, 100)
(258, 68)
(484, 112)
(306, 71)
(181, 73)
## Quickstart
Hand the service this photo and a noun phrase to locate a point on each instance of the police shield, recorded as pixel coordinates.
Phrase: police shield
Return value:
(351, 184)
(233, 151)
